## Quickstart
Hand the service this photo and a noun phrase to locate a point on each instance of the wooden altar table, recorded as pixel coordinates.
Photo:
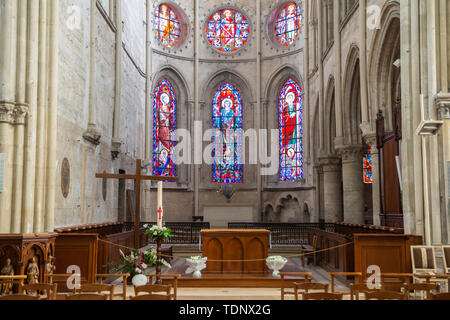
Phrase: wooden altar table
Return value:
(233, 251)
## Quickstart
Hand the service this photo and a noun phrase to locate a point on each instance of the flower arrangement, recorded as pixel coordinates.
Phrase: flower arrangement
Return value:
(156, 232)
(196, 265)
(137, 262)
(227, 192)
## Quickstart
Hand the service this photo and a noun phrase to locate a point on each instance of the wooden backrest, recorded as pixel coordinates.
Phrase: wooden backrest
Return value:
(315, 240)
(96, 288)
(384, 295)
(41, 289)
(86, 296)
(423, 259)
(20, 297)
(154, 288)
(427, 287)
(357, 288)
(322, 296)
(151, 297)
(306, 286)
(446, 255)
(441, 296)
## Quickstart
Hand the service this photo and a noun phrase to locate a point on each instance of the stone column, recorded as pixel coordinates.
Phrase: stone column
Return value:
(92, 135)
(371, 140)
(443, 106)
(338, 75)
(332, 200)
(307, 101)
(352, 177)
(116, 143)
(321, 77)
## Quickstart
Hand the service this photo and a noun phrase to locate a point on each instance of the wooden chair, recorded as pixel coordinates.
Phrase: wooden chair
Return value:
(86, 297)
(289, 278)
(441, 296)
(171, 279)
(155, 290)
(424, 263)
(333, 275)
(124, 277)
(446, 256)
(310, 249)
(305, 287)
(151, 297)
(96, 288)
(19, 297)
(323, 296)
(385, 295)
(44, 291)
(421, 287)
(357, 288)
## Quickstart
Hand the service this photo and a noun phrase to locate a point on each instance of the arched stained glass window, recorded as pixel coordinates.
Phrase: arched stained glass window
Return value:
(367, 166)
(227, 122)
(288, 24)
(167, 26)
(164, 125)
(227, 30)
(291, 132)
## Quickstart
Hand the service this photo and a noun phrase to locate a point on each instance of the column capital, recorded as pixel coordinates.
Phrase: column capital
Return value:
(371, 139)
(13, 113)
(350, 153)
(330, 163)
(442, 102)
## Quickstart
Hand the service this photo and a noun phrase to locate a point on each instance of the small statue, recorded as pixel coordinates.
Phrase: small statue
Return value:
(50, 268)
(33, 272)
(7, 270)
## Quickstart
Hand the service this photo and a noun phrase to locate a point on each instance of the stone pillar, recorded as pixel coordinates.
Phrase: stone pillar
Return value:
(352, 177)
(371, 140)
(116, 143)
(332, 200)
(443, 106)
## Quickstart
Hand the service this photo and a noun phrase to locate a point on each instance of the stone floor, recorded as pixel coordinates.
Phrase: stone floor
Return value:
(319, 275)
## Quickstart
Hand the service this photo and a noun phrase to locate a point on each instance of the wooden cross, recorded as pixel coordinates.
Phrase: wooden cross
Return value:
(139, 178)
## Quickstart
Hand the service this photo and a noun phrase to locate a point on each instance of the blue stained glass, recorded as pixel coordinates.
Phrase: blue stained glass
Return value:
(164, 125)
(227, 115)
(291, 132)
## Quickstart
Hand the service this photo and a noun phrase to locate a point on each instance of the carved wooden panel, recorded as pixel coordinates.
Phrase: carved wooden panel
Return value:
(239, 246)
(79, 249)
(392, 253)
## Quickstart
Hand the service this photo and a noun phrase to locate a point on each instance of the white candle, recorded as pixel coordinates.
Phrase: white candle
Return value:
(160, 204)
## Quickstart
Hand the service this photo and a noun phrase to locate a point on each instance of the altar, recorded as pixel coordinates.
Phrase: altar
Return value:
(233, 251)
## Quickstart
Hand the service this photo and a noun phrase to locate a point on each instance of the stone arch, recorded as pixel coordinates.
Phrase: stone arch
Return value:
(181, 90)
(209, 90)
(383, 74)
(288, 209)
(352, 99)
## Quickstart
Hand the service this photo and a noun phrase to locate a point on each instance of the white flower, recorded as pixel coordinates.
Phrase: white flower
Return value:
(155, 233)
(145, 226)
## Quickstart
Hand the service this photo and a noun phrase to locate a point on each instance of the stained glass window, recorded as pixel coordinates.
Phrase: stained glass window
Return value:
(167, 26)
(367, 166)
(288, 24)
(227, 122)
(164, 125)
(227, 30)
(291, 132)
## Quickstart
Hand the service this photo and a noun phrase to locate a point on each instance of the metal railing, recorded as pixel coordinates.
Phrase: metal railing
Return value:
(182, 232)
(285, 233)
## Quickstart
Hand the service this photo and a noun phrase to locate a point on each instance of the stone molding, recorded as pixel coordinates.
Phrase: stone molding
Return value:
(331, 163)
(13, 113)
(92, 135)
(115, 148)
(443, 105)
(350, 153)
